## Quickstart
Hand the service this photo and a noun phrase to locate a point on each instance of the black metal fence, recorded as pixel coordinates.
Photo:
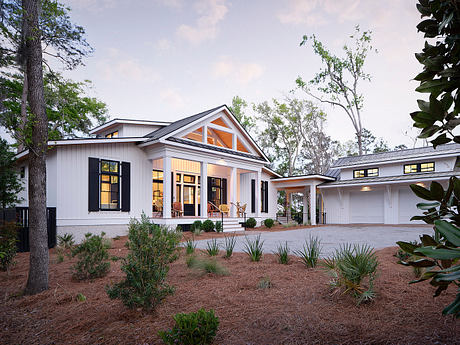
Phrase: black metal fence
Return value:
(20, 215)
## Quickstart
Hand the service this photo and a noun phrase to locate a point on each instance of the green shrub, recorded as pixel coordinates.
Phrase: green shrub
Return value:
(282, 252)
(310, 252)
(265, 283)
(92, 257)
(208, 225)
(269, 222)
(207, 265)
(251, 223)
(8, 248)
(80, 297)
(212, 247)
(198, 328)
(66, 241)
(219, 226)
(190, 246)
(254, 248)
(350, 267)
(151, 250)
(197, 225)
(229, 245)
(190, 261)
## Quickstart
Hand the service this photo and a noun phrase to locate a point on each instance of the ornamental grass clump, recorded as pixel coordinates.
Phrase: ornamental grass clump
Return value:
(353, 269)
(190, 246)
(282, 253)
(198, 328)
(93, 257)
(212, 247)
(229, 246)
(310, 252)
(207, 265)
(151, 250)
(254, 248)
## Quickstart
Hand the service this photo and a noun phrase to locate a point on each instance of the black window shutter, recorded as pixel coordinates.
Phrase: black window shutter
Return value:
(266, 197)
(125, 186)
(253, 196)
(224, 191)
(93, 184)
(173, 183)
(209, 188)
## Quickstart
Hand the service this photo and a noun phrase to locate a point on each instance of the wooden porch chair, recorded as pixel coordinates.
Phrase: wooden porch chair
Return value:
(224, 209)
(177, 209)
(159, 207)
(242, 210)
(212, 210)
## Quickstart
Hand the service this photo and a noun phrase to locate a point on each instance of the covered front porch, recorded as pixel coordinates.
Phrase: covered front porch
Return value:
(306, 185)
(185, 190)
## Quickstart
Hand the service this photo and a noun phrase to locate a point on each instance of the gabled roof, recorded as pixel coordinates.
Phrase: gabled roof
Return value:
(384, 157)
(116, 121)
(161, 132)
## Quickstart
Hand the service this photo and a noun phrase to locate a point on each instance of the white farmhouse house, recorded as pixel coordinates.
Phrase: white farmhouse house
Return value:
(207, 166)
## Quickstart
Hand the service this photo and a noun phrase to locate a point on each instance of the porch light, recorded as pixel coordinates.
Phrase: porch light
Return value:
(366, 189)
(421, 184)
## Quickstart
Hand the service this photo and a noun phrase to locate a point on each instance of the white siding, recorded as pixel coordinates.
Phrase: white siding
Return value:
(367, 207)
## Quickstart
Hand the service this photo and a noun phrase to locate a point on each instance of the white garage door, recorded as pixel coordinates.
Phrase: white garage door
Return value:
(366, 207)
(407, 206)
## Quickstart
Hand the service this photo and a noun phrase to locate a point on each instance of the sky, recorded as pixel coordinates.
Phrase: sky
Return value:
(166, 59)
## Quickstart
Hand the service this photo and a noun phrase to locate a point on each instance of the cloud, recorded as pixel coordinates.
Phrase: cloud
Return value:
(243, 73)
(120, 68)
(316, 12)
(163, 45)
(173, 98)
(171, 3)
(94, 6)
(210, 12)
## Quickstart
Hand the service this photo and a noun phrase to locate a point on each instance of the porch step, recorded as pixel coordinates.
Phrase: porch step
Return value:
(232, 224)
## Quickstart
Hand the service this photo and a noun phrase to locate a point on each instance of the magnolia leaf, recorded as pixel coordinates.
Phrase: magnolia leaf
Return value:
(421, 192)
(449, 231)
(427, 241)
(453, 308)
(407, 247)
(422, 263)
(438, 253)
(437, 191)
(428, 205)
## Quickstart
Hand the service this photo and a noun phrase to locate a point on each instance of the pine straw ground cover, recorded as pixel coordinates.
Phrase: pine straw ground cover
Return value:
(297, 309)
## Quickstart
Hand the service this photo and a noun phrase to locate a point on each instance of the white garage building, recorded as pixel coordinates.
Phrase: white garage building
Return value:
(375, 188)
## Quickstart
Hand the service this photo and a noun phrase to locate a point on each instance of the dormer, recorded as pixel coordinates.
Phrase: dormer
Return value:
(126, 128)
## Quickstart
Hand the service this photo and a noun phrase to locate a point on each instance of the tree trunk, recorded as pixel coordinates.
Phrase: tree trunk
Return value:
(23, 119)
(38, 237)
(360, 142)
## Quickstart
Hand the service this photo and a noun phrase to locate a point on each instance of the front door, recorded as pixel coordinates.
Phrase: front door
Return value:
(189, 200)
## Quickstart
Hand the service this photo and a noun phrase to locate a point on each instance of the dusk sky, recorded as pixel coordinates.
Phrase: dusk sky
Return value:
(166, 59)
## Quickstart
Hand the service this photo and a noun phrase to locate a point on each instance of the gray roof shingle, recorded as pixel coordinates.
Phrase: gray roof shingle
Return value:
(396, 155)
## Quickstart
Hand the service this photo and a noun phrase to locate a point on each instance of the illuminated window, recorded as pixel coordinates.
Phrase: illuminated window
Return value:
(157, 188)
(112, 135)
(178, 177)
(372, 172)
(418, 167)
(189, 179)
(110, 185)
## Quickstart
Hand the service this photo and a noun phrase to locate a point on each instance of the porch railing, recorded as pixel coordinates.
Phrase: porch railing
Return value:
(221, 214)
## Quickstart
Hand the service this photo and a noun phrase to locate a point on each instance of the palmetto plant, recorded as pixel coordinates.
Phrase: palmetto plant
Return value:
(310, 252)
(254, 248)
(212, 247)
(282, 252)
(353, 269)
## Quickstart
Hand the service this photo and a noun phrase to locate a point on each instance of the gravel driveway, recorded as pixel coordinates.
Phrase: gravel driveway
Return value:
(332, 236)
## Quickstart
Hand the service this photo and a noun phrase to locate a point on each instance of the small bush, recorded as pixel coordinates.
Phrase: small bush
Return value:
(8, 248)
(282, 252)
(190, 246)
(80, 297)
(251, 223)
(151, 250)
(197, 225)
(254, 248)
(229, 245)
(265, 283)
(269, 222)
(212, 247)
(208, 225)
(290, 225)
(66, 241)
(198, 328)
(350, 266)
(219, 226)
(190, 261)
(310, 252)
(207, 265)
(92, 257)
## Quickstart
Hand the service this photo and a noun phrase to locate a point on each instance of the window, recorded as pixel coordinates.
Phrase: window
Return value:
(157, 188)
(23, 172)
(371, 172)
(189, 179)
(264, 196)
(178, 177)
(418, 167)
(110, 185)
(112, 135)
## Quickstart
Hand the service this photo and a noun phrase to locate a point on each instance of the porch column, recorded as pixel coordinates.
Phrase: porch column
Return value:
(167, 187)
(258, 192)
(288, 206)
(204, 190)
(233, 200)
(313, 204)
(305, 205)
